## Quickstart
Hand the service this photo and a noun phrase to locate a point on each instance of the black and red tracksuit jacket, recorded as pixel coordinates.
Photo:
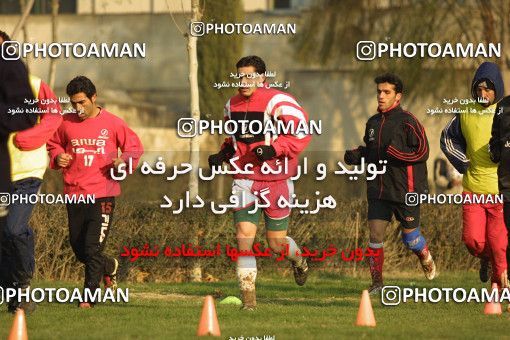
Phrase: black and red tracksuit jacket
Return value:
(397, 137)
(267, 104)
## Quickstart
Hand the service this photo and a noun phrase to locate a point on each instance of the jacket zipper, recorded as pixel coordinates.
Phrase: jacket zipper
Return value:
(379, 153)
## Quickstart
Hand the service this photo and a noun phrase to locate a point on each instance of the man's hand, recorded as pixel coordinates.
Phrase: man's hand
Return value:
(64, 159)
(216, 159)
(117, 162)
(349, 157)
(353, 157)
(14, 141)
(264, 152)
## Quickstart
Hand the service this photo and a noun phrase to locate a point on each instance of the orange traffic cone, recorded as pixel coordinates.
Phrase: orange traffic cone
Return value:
(493, 307)
(208, 321)
(19, 327)
(365, 312)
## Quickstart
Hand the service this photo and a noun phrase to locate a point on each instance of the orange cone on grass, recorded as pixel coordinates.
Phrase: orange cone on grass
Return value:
(208, 321)
(19, 327)
(365, 313)
(493, 307)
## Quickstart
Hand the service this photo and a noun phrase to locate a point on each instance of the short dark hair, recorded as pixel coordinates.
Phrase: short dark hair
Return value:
(391, 79)
(81, 84)
(252, 60)
(4, 36)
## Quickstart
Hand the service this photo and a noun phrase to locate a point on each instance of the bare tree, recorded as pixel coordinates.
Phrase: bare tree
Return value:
(54, 26)
(25, 12)
(327, 41)
(196, 15)
(222, 51)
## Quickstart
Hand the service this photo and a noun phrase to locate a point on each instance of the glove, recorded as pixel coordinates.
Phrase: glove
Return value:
(264, 152)
(215, 160)
(218, 158)
(353, 157)
(495, 153)
(350, 157)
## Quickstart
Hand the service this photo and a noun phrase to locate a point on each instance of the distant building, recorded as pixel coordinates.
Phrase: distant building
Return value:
(141, 6)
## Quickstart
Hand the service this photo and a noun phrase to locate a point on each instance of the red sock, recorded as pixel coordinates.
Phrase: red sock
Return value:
(423, 254)
(376, 264)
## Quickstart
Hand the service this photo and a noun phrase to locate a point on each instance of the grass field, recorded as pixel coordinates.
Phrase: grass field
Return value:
(325, 308)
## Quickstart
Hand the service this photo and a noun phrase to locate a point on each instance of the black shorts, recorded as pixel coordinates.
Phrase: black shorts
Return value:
(409, 217)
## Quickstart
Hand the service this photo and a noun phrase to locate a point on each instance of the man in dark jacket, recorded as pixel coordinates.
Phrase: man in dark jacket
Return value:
(15, 115)
(499, 151)
(396, 139)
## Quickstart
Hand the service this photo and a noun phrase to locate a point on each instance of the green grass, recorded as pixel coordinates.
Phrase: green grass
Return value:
(325, 308)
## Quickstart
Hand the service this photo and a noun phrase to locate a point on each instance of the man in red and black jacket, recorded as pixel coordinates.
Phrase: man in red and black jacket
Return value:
(394, 138)
(256, 101)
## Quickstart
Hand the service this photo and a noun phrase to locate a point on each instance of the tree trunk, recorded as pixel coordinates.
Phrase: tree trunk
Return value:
(505, 40)
(25, 12)
(54, 25)
(194, 108)
(196, 274)
(220, 180)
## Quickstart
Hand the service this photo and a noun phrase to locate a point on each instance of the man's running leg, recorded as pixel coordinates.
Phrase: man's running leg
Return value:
(474, 235)
(246, 220)
(246, 265)
(19, 262)
(98, 224)
(379, 216)
(375, 263)
(497, 239)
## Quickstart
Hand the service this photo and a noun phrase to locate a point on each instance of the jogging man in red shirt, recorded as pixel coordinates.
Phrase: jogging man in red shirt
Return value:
(86, 147)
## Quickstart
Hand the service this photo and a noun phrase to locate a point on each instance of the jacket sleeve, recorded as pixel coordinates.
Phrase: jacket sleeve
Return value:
(290, 112)
(55, 146)
(129, 144)
(453, 145)
(353, 156)
(14, 91)
(410, 144)
(495, 141)
(51, 119)
(228, 148)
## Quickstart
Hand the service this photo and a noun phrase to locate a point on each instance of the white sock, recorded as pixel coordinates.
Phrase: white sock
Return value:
(246, 272)
(293, 250)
